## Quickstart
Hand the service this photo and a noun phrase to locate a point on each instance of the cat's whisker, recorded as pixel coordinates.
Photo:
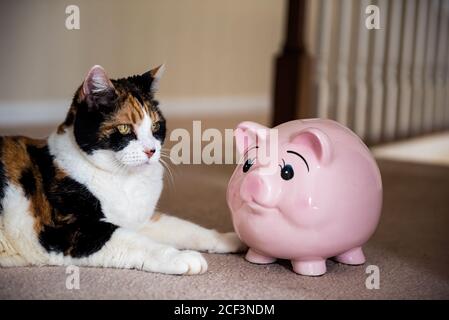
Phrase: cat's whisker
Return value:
(120, 168)
(166, 156)
(170, 174)
(170, 180)
(166, 159)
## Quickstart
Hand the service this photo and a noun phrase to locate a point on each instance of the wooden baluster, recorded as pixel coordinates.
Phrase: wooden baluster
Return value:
(406, 60)
(342, 74)
(292, 68)
(446, 78)
(361, 64)
(322, 56)
(441, 66)
(391, 70)
(419, 50)
(429, 66)
(376, 82)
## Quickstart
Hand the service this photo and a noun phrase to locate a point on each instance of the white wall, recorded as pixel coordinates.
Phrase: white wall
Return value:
(214, 50)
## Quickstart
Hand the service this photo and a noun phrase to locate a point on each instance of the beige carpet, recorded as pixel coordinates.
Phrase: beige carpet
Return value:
(411, 245)
(410, 248)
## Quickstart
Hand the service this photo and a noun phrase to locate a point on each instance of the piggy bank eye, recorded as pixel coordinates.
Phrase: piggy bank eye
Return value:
(248, 164)
(287, 172)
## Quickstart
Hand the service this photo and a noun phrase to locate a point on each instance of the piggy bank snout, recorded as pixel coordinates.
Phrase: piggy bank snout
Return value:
(257, 188)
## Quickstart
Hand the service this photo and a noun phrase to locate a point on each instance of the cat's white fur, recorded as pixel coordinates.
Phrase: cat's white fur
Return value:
(127, 248)
(19, 245)
(128, 196)
(133, 154)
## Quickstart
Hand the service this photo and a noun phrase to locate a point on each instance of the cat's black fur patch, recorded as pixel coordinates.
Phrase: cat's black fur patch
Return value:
(142, 82)
(86, 129)
(85, 233)
(77, 228)
(2, 177)
(86, 133)
(160, 134)
(28, 182)
(43, 160)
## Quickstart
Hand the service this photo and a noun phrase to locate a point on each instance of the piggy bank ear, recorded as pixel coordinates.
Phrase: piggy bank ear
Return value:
(249, 133)
(317, 141)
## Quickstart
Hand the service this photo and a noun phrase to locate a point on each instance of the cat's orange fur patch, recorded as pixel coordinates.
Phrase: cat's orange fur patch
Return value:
(15, 157)
(132, 113)
(16, 161)
(155, 217)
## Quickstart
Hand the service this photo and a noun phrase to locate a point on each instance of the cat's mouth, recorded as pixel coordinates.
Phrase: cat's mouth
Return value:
(136, 161)
(141, 164)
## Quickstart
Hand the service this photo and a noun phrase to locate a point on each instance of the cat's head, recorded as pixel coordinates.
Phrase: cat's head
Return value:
(118, 122)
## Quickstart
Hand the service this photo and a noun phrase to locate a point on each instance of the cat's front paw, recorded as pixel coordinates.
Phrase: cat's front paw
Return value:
(172, 261)
(189, 262)
(228, 243)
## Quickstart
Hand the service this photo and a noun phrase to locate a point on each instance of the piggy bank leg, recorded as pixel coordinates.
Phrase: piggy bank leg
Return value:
(354, 256)
(310, 268)
(255, 257)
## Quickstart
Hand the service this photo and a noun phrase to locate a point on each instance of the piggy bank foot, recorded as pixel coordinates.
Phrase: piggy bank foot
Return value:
(310, 268)
(354, 256)
(254, 257)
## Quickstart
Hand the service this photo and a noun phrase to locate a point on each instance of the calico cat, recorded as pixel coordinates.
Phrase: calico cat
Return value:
(87, 195)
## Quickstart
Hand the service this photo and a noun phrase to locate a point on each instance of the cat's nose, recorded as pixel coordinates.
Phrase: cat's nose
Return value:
(150, 152)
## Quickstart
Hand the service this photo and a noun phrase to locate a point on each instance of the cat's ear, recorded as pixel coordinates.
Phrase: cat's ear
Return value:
(152, 78)
(96, 81)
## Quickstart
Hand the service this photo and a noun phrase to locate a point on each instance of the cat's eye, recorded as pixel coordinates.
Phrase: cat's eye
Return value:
(124, 129)
(156, 126)
(248, 164)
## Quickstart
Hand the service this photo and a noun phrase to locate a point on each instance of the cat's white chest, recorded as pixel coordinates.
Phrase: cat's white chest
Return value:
(128, 201)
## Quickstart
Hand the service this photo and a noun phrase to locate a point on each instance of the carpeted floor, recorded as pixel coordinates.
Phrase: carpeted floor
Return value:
(410, 248)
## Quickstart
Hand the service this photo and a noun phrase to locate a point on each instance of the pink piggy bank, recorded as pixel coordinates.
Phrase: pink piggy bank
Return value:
(306, 191)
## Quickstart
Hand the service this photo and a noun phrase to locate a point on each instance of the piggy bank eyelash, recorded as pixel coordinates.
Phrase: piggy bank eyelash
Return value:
(281, 166)
(248, 164)
(246, 153)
